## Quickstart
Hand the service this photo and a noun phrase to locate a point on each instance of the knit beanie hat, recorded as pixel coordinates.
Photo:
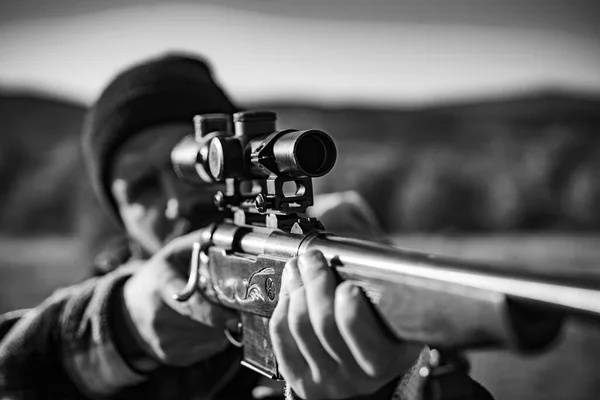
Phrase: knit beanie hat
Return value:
(170, 88)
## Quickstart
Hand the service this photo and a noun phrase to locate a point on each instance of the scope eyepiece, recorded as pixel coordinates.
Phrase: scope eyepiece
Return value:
(185, 158)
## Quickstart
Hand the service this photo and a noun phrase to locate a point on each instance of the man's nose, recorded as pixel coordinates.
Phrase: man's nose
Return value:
(176, 193)
(172, 210)
(183, 199)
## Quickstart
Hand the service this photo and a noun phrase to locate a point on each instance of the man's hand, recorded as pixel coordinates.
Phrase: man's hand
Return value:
(177, 334)
(327, 339)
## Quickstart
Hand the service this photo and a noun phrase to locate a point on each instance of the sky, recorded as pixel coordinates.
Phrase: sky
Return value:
(328, 51)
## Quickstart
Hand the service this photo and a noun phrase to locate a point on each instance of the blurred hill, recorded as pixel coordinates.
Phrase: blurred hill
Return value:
(42, 176)
(523, 163)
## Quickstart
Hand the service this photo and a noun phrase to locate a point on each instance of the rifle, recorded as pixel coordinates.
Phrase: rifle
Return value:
(449, 304)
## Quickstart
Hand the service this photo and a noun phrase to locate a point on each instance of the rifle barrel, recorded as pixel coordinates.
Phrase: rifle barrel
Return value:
(565, 293)
(424, 297)
(569, 294)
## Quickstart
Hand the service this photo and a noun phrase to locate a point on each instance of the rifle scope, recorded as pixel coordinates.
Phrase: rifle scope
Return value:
(254, 150)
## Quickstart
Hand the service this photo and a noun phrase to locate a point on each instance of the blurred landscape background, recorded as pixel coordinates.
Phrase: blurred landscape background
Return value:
(471, 130)
(512, 181)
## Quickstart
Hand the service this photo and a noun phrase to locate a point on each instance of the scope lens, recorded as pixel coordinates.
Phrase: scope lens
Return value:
(295, 154)
(311, 154)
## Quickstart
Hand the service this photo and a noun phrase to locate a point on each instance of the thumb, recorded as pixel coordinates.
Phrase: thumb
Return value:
(185, 243)
(178, 252)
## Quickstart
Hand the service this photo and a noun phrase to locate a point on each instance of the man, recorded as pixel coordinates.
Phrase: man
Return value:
(121, 335)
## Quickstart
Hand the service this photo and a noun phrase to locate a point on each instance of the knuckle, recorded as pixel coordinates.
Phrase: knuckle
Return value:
(312, 263)
(313, 255)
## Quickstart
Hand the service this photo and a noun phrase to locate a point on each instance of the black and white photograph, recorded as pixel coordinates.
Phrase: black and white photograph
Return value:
(300, 200)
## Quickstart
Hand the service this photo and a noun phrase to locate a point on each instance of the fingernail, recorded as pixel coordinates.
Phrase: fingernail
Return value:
(353, 289)
(309, 259)
(315, 255)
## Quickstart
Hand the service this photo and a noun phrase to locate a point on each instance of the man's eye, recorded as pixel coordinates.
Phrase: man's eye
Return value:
(142, 187)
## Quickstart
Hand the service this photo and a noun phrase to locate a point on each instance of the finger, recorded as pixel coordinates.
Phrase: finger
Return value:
(320, 284)
(293, 279)
(378, 354)
(290, 361)
(182, 245)
(178, 252)
(320, 362)
(284, 292)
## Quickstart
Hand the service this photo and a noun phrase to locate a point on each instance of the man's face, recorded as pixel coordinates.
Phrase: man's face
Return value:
(154, 204)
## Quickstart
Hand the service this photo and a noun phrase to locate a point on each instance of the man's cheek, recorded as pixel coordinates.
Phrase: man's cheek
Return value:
(147, 226)
(136, 212)
(157, 225)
